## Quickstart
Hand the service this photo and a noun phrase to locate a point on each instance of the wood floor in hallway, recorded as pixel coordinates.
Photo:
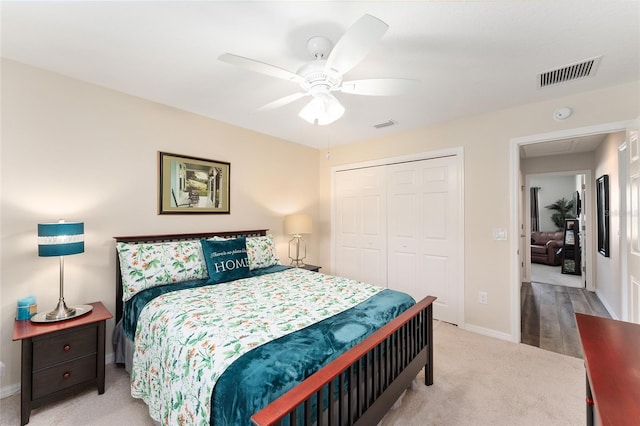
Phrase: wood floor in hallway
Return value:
(548, 319)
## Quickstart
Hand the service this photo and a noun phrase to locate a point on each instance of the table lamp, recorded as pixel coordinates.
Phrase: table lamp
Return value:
(296, 225)
(61, 239)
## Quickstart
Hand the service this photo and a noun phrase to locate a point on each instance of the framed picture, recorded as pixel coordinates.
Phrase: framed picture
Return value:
(602, 208)
(192, 185)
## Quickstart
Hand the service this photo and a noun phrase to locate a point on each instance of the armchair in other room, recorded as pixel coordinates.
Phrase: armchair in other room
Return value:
(545, 247)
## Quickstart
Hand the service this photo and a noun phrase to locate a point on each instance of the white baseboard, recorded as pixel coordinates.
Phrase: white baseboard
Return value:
(490, 332)
(13, 389)
(606, 305)
(9, 390)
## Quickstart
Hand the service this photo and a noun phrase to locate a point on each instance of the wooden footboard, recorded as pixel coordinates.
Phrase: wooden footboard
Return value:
(364, 382)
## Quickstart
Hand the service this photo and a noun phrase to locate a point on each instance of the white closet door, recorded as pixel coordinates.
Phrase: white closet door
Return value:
(423, 222)
(361, 221)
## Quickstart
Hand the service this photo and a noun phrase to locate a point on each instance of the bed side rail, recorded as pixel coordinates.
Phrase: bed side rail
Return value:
(365, 381)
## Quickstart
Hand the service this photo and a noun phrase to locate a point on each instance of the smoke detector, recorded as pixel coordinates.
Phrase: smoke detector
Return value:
(562, 114)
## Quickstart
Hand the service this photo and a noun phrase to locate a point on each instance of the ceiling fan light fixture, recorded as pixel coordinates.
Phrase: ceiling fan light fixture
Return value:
(324, 74)
(323, 109)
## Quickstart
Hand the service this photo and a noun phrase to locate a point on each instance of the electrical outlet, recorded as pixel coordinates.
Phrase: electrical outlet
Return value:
(482, 297)
(2, 367)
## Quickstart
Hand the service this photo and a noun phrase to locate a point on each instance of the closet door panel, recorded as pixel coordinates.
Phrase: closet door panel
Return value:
(347, 250)
(423, 223)
(435, 216)
(405, 228)
(439, 242)
(402, 274)
(361, 221)
(436, 272)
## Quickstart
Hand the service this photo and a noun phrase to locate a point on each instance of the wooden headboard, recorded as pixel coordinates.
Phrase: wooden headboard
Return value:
(171, 237)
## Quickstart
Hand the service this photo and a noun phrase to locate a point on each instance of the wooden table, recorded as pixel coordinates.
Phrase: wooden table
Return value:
(612, 359)
(60, 358)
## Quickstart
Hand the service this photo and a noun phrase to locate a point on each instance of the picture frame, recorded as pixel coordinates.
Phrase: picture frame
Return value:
(602, 210)
(193, 185)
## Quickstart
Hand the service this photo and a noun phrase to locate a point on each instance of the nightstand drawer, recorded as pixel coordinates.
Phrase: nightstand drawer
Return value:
(64, 347)
(64, 375)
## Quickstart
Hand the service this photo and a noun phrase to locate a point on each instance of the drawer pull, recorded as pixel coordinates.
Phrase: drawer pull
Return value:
(66, 375)
(67, 348)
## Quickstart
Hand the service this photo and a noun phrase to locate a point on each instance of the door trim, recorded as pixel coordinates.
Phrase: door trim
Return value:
(452, 152)
(514, 188)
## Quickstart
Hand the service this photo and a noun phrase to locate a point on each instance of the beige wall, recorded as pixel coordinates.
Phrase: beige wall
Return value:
(80, 152)
(608, 280)
(486, 140)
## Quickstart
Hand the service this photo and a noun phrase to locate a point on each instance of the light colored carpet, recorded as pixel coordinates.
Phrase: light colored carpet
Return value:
(547, 274)
(478, 381)
(484, 381)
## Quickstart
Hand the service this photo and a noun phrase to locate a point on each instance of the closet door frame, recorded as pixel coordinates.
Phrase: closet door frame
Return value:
(459, 155)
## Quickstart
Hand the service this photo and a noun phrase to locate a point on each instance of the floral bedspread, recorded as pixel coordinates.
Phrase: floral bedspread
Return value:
(186, 339)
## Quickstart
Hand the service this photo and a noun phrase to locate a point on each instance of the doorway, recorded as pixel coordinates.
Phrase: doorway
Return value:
(552, 198)
(517, 181)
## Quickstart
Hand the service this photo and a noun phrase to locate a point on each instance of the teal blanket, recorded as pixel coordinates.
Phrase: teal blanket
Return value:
(265, 373)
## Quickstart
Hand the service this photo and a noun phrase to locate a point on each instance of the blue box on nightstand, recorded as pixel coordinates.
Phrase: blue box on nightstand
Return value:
(26, 308)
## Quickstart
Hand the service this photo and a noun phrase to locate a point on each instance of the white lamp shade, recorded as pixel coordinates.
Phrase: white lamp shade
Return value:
(295, 224)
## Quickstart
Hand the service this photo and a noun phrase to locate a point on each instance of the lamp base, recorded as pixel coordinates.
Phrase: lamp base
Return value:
(297, 263)
(62, 314)
(296, 243)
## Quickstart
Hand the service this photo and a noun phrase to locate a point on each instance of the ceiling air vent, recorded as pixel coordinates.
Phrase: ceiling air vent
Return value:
(385, 124)
(570, 72)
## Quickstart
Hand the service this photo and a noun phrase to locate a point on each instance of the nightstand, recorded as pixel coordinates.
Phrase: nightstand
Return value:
(61, 358)
(313, 268)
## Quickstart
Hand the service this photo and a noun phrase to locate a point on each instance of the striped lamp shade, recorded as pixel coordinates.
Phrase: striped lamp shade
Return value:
(60, 239)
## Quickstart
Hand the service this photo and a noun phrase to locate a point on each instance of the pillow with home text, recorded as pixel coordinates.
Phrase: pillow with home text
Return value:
(226, 260)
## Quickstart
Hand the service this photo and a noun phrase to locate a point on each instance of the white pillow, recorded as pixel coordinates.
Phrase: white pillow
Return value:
(261, 252)
(148, 265)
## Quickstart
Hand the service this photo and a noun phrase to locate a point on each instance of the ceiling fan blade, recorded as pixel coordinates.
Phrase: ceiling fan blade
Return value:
(282, 101)
(260, 67)
(380, 86)
(355, 44)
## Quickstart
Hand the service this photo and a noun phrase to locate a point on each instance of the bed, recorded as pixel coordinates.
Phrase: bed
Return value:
(301, 347)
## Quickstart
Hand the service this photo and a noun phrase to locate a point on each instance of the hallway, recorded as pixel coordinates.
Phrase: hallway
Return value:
(547, 316)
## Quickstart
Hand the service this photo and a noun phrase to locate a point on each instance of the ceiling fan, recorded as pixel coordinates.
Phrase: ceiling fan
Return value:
(324, 74)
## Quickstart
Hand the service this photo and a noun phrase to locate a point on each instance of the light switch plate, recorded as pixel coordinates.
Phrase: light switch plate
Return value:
(500, 234)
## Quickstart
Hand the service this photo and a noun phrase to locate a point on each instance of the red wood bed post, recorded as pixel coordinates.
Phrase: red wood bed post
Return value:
(428, 369)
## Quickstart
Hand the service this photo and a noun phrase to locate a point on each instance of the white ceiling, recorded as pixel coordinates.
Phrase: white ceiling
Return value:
(470, 56)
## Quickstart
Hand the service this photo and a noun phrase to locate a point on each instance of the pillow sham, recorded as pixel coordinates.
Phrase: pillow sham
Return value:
(226, 260)
(261, 252)
(148, 265)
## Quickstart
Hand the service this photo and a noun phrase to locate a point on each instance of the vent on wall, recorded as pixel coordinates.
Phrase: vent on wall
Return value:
(385, 124)
(570, 72)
